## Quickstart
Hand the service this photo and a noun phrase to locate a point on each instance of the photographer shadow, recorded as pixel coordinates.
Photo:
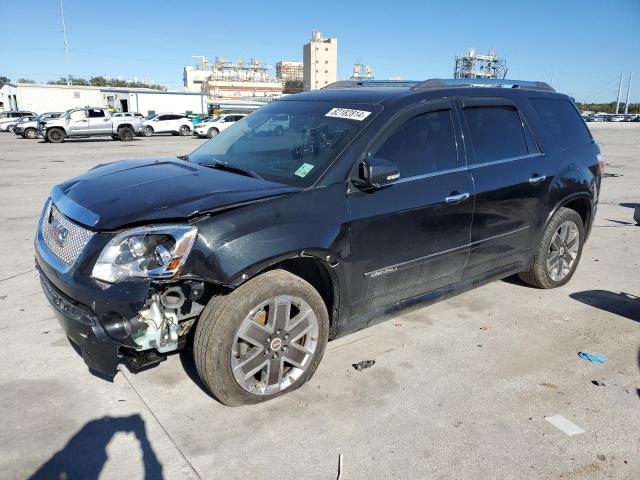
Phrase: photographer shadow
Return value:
(85, 454)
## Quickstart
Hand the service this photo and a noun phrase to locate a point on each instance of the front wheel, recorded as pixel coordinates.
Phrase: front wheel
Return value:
(55, 135)
(148, 131)
(262, 340)
(184, 131)
(557, 255)
(30, 133)
(10, 128)
(212, 132)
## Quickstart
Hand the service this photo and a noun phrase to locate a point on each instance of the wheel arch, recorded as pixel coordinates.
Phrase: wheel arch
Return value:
(320, 269)
(122, 125)
(581, 202)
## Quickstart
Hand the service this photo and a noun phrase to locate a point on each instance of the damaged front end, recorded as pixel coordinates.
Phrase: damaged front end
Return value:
(163, 324)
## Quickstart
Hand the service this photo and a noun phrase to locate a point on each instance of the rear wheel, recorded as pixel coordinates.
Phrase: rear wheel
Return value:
(212, 132)
(557, 255)
(184, 130)
(262, 340)
(148, 131)
(30, 133)
(55, 135)
(126, 134)
(10, 128)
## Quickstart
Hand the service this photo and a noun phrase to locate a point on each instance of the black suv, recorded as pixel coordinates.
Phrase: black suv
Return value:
(262, 245)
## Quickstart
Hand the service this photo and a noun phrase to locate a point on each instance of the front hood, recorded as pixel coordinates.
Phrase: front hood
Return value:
(129, 192)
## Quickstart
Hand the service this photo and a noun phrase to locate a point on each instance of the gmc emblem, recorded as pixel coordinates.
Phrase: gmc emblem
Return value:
(58, 232)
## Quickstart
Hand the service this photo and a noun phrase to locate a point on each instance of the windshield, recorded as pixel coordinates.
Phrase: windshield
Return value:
(290, 142)
(151, 116)
(214, 118)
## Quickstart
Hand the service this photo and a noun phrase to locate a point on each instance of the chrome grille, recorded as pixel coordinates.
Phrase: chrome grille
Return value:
(64, 238)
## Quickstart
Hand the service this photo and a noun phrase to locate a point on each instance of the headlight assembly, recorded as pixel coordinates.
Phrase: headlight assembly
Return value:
(147, 252)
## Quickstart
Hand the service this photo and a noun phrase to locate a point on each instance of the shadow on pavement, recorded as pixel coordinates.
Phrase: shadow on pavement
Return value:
(623, 304)
(85, 454)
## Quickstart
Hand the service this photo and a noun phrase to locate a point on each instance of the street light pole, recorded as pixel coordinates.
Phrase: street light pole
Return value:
(66, 43)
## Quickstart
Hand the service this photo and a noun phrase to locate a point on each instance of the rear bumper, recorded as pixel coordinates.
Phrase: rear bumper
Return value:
(82, 327)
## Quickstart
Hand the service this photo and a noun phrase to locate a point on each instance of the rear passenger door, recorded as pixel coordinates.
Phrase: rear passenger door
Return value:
(412, 236)
(98, 122)
(509, 174)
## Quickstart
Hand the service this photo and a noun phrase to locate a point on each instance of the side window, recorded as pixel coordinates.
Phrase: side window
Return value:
(424, 144)
(95, 113)
(563, 120)
(496, 133)
(77, 115)
(163, 117)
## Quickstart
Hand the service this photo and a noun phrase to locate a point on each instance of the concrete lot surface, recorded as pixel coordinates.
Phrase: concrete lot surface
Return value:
(459, 389)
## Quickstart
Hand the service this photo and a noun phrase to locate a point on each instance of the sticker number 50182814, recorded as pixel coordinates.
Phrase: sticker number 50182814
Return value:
(348, 114)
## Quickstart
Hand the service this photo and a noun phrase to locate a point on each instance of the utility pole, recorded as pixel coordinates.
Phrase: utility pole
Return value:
(619, 91)
(66, 43)
(626, 105)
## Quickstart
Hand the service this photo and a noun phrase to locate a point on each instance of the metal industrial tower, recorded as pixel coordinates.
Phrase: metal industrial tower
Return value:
(479, 66)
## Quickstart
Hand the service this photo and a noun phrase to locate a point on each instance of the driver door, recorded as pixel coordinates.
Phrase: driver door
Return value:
(78, 123)
(413, 236)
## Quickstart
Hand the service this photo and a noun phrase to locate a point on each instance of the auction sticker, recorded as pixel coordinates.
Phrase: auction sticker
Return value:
(348, 113)
(304, 170)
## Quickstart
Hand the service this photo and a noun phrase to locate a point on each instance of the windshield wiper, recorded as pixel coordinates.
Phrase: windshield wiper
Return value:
(232, 168)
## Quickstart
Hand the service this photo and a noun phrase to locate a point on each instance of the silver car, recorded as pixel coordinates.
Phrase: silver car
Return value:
(28, 127)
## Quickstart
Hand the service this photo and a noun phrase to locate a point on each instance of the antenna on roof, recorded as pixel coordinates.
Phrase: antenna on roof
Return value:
(66, 43)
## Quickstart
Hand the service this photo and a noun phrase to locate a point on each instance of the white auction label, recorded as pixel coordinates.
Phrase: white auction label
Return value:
(348, 114)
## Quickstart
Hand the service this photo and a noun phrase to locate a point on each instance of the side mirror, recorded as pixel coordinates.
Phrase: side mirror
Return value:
(376, 172)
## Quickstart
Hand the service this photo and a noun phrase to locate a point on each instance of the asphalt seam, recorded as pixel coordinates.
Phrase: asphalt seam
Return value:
(161, 426)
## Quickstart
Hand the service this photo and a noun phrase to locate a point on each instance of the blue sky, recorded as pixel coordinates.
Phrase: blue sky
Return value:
(586, 43)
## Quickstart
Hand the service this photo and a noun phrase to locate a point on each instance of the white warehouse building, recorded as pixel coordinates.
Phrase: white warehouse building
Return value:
(40, 98)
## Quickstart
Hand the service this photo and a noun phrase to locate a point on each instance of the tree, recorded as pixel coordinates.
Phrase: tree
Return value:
(4, 80)
(98, 81)
(26, 80)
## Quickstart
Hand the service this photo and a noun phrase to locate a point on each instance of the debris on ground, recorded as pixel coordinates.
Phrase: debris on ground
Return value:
(609, 175)
(598, 383)
(548, 385)
(592, 358)
(601, 457)
(363, 364)
(484, 327)
(561, 423)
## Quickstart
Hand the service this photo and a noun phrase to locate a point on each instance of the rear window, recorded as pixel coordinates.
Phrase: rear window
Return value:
(496, 133)
(563, 120)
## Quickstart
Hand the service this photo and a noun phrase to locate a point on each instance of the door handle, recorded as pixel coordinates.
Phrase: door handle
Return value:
(537, 179)
(460, 197)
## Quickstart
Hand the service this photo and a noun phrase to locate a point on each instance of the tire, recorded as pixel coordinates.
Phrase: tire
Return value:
(556, 257)
(10, 129)
(216, 342)
(279, 130)
(212, 132)
(55, 135)
(30, 133)
(148, 131)
(126, 134)
(184, 131)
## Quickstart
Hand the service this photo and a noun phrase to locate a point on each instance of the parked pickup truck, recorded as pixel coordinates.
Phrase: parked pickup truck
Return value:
(89, 122)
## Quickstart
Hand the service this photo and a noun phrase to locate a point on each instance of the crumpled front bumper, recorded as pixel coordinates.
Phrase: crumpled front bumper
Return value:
(82, 327)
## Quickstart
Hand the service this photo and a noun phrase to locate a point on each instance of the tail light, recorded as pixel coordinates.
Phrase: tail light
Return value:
(601, 163)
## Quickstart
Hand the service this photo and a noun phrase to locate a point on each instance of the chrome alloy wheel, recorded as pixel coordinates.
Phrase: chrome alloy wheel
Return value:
(274, 345)
(563, 251)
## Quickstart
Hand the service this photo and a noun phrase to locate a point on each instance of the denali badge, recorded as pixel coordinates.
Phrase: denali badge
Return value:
(58, 232)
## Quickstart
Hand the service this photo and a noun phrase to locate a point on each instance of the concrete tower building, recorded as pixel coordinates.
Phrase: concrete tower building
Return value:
(320, 61)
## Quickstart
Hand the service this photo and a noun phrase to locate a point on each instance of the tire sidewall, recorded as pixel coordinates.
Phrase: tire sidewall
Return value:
(148, 131)
(30, 133)
(53, 131)
(562, 216)
(221, 334)
(125, 134)
(184, 130)
(212, 132)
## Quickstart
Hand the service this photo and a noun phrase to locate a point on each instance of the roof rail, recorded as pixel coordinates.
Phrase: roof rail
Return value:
(482, 82)
(370, 83)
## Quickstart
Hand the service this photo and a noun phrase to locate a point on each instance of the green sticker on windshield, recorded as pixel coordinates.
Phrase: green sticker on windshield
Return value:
(304, 170)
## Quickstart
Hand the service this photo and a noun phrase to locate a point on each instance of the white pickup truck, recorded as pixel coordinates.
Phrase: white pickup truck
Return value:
(89, 122)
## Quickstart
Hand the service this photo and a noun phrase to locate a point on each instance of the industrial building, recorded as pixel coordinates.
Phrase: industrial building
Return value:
(233, 80)
(479, 66)
(290, 71)
(320, 61)
(41, 98)
(361, 72)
